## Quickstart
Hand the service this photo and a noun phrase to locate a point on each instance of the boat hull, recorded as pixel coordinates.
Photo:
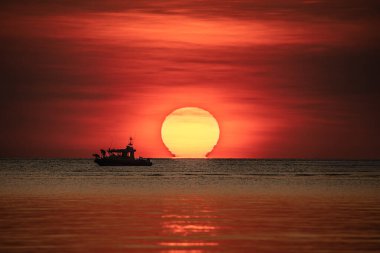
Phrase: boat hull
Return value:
(123, 162)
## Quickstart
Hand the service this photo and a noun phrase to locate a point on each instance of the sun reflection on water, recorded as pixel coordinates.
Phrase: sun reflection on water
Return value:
(186, 229)
(182, 251)
(191, 228)
(188, 244)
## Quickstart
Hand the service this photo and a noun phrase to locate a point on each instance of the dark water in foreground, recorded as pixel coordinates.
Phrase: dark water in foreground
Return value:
(179, 206)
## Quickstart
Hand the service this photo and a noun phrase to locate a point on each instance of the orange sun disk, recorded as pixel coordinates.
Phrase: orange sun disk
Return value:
(190, 132)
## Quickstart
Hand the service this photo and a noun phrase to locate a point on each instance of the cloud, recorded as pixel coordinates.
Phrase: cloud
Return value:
(245, 9)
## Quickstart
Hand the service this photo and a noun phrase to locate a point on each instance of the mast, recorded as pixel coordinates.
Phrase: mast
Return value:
(130, 141)
(130, 149)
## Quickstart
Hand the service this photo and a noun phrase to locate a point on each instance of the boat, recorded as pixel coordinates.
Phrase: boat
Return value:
(121, 157)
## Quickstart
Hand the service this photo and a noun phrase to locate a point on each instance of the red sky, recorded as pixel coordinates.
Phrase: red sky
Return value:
(285, 79)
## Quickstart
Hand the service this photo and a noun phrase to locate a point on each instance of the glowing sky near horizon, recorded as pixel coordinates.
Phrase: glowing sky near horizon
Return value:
(284, 78)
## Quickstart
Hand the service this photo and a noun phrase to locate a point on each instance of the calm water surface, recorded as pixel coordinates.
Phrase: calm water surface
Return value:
(179, 206)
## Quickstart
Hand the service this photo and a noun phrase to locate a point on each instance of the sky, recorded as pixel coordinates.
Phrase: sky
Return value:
(283, 78)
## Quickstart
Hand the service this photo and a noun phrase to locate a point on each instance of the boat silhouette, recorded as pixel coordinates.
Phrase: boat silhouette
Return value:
(121, 157)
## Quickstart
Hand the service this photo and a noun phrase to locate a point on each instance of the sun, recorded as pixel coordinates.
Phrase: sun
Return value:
(190, 132)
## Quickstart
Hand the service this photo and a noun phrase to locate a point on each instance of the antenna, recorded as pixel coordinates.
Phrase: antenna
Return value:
(111, 143)
(130, 141)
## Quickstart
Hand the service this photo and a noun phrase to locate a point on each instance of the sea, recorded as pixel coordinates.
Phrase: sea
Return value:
(190, 206)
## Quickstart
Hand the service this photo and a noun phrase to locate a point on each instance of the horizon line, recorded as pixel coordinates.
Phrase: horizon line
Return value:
(197, 158)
